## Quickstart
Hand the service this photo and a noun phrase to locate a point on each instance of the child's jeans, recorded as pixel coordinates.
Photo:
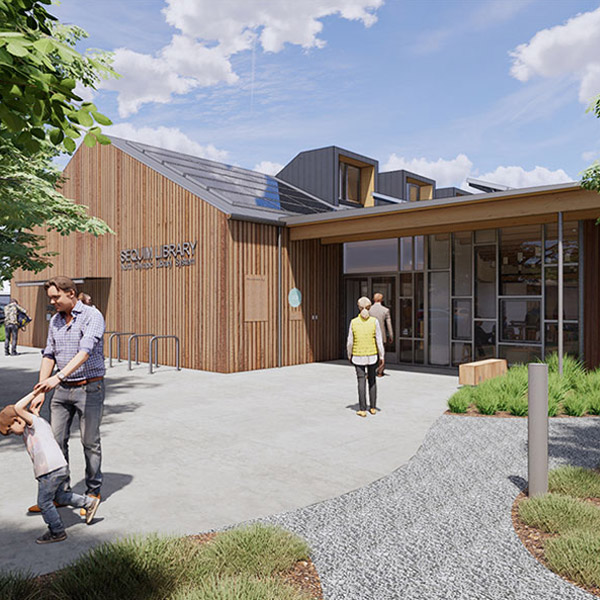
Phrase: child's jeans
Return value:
(50, 488)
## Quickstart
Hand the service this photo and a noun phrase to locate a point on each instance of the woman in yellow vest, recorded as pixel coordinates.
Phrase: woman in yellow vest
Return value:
(365, 344)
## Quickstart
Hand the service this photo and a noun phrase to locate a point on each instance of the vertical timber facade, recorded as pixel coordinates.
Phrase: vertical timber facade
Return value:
(206, 304)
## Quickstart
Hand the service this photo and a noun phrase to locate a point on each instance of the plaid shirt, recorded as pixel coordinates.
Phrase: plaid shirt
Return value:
(85, 332)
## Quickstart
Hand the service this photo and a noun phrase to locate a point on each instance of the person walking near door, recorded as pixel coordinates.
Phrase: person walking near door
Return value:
(364, 346)
(11, 326)
(382, 314)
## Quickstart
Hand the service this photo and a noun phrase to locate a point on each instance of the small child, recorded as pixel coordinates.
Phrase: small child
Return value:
(49, 466)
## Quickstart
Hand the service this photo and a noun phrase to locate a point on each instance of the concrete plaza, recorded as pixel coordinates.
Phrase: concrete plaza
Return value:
(191, 451)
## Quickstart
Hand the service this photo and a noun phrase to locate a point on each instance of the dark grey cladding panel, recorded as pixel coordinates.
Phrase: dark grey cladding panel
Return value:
(392, 183)
(231, 189)
(313, 171)
(450, 192)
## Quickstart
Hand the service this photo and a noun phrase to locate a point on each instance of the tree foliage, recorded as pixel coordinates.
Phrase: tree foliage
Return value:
(41, 116)
(591, 176)
(39, 69)
(30, 197)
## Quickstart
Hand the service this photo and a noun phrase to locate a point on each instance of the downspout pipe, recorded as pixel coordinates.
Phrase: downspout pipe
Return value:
(279, 298)
(560, 293)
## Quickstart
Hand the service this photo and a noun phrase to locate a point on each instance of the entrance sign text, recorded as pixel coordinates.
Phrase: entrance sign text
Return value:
(165, 256)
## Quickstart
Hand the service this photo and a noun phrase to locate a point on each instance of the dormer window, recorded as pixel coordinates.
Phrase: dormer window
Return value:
(349, 183)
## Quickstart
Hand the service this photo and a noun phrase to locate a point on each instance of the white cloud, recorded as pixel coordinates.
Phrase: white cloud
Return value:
(268, 167)
(569, 49)
(233, 24)
(178, 68)
(454, 172)
(518, 177)
(590, 155)
(445, 172)
(214, 31)
(170, 138)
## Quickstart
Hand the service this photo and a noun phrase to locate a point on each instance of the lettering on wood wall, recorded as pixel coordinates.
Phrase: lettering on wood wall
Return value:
(164, 256)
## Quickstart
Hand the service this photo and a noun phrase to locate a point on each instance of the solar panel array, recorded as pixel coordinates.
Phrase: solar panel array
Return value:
(237, 186)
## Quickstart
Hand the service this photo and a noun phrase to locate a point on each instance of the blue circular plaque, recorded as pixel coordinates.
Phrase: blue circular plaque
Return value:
(295, 297)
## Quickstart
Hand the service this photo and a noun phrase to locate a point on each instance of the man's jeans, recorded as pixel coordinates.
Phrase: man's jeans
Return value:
(364, 372)
(10, 331)
(51, 487)
(87, 402)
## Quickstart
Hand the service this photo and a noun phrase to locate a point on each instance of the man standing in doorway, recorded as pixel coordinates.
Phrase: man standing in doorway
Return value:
(11, 326)
(382, 314)
(75, 347)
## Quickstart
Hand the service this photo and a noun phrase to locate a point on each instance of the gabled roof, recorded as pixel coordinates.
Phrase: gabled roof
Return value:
(239, 193)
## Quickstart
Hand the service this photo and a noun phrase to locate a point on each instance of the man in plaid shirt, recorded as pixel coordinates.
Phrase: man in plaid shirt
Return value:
(75, 347)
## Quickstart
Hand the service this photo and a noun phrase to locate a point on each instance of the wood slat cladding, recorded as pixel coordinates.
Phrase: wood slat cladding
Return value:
(591, 296)
(203, 304)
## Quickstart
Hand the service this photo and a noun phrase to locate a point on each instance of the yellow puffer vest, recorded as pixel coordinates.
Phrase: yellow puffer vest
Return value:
(363, 333)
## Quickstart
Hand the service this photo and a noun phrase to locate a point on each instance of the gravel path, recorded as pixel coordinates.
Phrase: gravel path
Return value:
(440, 526)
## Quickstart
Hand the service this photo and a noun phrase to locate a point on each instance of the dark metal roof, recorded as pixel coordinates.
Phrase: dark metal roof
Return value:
(240, 193)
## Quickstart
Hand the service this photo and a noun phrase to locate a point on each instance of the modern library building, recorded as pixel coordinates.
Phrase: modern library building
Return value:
(252, 271)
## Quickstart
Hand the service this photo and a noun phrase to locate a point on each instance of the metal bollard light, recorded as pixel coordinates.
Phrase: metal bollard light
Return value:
(537, 429)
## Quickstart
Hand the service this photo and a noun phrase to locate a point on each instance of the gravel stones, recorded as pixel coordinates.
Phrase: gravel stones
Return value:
(440, 526)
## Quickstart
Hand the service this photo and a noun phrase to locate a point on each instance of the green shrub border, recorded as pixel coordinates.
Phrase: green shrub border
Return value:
(576, 393)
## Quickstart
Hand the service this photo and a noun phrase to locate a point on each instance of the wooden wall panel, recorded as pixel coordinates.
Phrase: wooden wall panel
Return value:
(310, 333)
(591, 293)
(144, 209)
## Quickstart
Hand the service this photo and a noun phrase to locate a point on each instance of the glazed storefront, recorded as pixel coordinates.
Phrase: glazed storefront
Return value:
(457, 297)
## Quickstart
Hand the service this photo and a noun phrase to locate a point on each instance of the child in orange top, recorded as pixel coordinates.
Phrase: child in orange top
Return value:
(49, 466)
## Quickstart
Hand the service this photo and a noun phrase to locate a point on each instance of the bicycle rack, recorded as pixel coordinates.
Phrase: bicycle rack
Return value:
(155, 339)
(135, 337)
(118, 335)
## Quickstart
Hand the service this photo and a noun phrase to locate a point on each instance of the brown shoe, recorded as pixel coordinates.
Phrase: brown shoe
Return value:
(83, 512)
(373, 411)
(361, 413)
(37, 510)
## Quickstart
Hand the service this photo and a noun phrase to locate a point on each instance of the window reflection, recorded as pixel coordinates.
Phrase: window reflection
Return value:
(484, 335)
(570, 293)
(570, 242)
(521, 261)
(371, 256)
(520, 320)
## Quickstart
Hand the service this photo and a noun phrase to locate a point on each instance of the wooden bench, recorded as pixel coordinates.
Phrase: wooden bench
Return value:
(474, 373)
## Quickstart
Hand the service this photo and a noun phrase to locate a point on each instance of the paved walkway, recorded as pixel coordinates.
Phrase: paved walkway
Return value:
(192, 451)
(439, 528)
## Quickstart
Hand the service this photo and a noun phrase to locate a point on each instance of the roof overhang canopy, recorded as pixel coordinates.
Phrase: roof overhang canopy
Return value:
(464, 213)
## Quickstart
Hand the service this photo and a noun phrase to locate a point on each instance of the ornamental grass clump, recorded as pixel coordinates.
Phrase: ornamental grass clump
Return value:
(18, 586)
(576, 556)
(574, 481)
(258, 549)
(460, 401)
(555, 513)
(239, 588)
(574, 404)
(558, 388)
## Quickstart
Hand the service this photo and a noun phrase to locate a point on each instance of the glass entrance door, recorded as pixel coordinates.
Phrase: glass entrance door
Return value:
(354, 288)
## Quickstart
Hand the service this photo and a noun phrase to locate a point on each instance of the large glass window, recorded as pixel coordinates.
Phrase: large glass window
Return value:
(520, 320)
(485, 282)
(406, 254)
(485, 339)
(461, 264)
(439, 318)
(570, 242)
(349, 185)
(521, 261)
(371, 257)
(419, 253)
(520, 354)
(570, 338)
(439, 251)
(461, 319)
(570, 293)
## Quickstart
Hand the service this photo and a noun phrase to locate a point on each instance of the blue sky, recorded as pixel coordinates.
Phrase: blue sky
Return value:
(491, 89)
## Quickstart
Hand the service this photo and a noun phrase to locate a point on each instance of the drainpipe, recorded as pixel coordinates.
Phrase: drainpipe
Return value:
(560, 293)
(279, 297)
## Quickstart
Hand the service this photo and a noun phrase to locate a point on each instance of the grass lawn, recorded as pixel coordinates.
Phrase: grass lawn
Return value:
(2, 338)
(240, 564)
(568, 520)
(575, 393)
